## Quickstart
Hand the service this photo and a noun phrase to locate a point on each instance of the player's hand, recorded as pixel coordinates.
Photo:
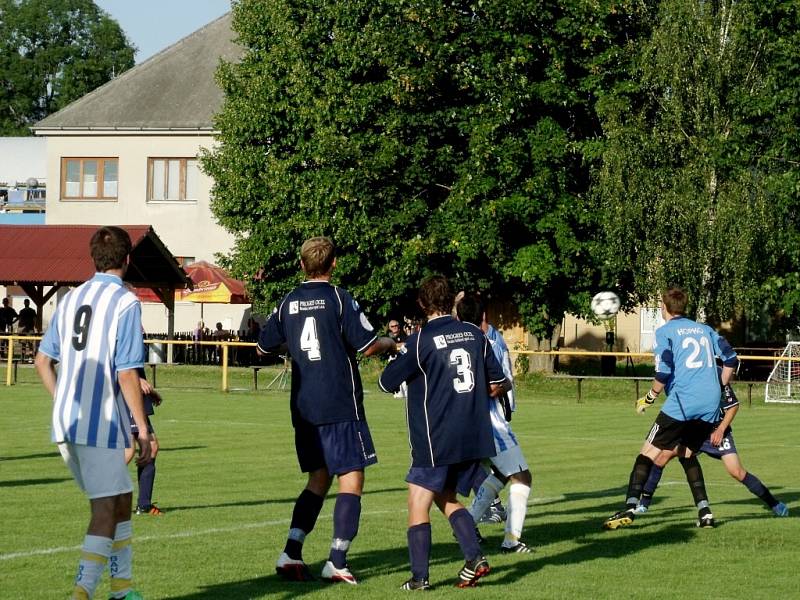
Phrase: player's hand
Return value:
(145, 386)
(155, 397)
(645, 401)
(144, 447)
(716, 437)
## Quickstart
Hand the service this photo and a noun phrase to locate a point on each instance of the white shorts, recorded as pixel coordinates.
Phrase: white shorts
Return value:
(99, 472)
(510, 461)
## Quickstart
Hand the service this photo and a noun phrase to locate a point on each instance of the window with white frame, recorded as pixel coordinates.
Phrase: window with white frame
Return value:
(172, 179)
(89, 178)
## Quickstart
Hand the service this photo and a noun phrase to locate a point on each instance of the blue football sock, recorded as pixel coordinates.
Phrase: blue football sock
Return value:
(304, 517)
(146, 475)
(753, 483)
(480, 477)
(464, 528)
(419, 550)
(346, 515)
(650, 485)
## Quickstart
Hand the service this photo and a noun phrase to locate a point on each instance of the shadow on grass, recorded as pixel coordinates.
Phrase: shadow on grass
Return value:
(592, 544)
(25, 482)
(31, 456)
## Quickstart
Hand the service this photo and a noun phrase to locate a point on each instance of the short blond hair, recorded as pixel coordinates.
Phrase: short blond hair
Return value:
(317, 254)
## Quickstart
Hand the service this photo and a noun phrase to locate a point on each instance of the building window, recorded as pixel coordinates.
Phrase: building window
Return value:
(172, 179)
(89, 178)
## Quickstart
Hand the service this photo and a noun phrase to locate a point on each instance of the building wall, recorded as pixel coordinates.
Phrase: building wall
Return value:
(187, 228)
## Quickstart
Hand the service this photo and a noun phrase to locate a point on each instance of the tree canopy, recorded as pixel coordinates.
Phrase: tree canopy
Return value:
(51, 53)
(422, 137)
(696, 185)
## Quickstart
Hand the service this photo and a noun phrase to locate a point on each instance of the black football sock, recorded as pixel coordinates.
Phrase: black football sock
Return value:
(755, 486)
(304, 517)
(419, 550)
(464, 528)
(146, 476)
(694, 477)
(346, 515)
(639, 475)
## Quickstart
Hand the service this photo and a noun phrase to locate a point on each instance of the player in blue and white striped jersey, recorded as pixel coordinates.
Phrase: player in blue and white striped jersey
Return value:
(96, 338)
(324, 328)
(508, 463)
(451, 371)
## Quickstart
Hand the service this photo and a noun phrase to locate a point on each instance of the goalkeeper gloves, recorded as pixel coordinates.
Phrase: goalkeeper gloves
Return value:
(645, 401)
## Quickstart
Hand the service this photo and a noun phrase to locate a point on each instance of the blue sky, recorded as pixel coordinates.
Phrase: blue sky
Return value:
(152, 25)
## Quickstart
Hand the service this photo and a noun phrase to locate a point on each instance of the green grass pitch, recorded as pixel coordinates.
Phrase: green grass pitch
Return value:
(227, 478)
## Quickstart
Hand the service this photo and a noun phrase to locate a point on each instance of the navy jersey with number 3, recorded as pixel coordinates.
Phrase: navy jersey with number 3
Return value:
(324, 327)
(448, 366)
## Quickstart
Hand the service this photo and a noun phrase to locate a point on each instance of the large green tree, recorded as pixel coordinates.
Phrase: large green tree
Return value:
(51, 53)
(693, 184)
(421, 136)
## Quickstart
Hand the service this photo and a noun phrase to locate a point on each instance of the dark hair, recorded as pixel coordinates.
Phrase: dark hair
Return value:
(675, 300)
(435, 295)
(470, 309)
(109, 248)
(317, 254)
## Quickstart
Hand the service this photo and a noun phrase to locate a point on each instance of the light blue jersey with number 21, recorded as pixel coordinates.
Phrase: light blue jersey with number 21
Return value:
(685, 356)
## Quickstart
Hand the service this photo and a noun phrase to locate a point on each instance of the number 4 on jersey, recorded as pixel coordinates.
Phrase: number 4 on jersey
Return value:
(309, 342)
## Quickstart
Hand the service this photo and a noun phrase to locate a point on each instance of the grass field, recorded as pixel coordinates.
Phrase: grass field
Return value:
(227, 477)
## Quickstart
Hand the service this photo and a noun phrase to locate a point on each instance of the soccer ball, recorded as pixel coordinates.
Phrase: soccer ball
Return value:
(605, 305)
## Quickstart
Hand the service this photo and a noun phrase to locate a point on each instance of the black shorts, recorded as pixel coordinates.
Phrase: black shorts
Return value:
(668, 433)
(458, 477)
(339, 447)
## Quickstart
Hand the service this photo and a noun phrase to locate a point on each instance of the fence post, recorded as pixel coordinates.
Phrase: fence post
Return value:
(10, 360)
(224, 367)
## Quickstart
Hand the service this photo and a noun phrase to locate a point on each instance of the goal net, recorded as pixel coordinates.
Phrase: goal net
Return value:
(783, 383)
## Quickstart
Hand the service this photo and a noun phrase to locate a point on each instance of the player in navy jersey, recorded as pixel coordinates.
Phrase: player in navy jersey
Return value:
(324, 328)
(722, 447)
(508, 462)
(451, 371)
(685, 353)
(96, 337)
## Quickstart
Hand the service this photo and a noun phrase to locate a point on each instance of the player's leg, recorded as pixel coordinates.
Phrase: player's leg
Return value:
(103, 475)
(694, 477)
(308, 505)
(348, 450)
(736, 470)
(146, 475)
(420, 500)
(120, 562)
(659, 433)
(510, 464)
(346, 518)
(486, 494)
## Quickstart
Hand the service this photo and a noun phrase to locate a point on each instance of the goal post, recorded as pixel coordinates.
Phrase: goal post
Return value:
(783, 383)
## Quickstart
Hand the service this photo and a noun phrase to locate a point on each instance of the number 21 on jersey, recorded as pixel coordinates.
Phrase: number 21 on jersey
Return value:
(309, 342)
(698, 346)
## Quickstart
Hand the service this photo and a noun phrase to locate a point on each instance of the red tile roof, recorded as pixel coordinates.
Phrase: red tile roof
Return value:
(59, 254)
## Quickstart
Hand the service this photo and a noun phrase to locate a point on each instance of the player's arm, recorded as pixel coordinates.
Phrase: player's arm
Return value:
(271, 336)
(132, 392)
(46, 368)
(381, 345)
(402, 368)
(665, 365)
(727, 419)
(499, 384)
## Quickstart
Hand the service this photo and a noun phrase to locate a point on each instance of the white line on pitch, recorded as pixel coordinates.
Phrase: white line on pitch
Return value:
(172, 536)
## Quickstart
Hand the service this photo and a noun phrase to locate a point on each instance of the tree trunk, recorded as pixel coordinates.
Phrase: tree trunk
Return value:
(543, 363)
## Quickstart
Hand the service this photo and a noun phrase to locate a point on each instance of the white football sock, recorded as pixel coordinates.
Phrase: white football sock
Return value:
(517, 509)
(488, 491)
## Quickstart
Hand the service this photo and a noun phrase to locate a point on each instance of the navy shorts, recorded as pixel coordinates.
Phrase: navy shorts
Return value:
(339, 447)
(458, 477)
(668, 433)
(726, 446)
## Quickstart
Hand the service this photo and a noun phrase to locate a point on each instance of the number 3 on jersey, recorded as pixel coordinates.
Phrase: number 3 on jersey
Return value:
(465, 380)
(309, 342)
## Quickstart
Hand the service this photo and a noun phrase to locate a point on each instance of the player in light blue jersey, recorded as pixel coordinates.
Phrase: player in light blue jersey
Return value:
(685, 356)
(508, 463)
(95, 336)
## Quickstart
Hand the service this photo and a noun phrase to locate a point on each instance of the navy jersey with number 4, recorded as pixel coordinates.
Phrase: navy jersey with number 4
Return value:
(323, 327)
(448, 366)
